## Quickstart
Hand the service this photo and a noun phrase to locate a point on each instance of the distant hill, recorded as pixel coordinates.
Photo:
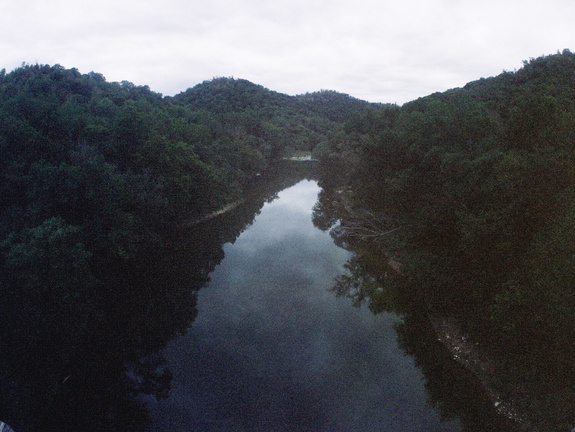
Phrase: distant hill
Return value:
(286, 123)
(334, 105)
(225, 95)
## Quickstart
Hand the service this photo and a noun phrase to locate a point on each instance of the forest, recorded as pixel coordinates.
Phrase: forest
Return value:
(99, 171)
(469, 194)
(98, 183)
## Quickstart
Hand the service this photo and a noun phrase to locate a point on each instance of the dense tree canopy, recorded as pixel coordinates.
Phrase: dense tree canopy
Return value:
(472, 190)
(96, 181)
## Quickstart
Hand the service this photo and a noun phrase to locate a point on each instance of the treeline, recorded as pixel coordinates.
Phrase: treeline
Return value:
(277, 123)
(472, 191)
(94, 176)
(102, 166)
(96, 179)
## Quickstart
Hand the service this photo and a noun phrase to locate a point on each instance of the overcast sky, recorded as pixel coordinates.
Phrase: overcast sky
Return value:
(377, 50)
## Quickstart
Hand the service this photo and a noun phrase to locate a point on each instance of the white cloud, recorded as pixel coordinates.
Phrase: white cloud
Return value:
(385, 51)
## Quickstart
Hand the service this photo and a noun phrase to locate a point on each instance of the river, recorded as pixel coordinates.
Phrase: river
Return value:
(272, 349)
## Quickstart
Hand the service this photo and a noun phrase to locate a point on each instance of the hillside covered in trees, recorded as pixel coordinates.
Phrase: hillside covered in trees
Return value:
(97, 180)
(110, 163)
(470, 192)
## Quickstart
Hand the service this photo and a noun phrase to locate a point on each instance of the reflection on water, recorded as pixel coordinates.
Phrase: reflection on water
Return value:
(373, 281)
(5, 428)
(83, 368)
(273, 349)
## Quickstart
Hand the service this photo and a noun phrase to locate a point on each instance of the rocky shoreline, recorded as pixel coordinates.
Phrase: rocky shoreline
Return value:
(529, 410)
(470, 354)
(510, 402)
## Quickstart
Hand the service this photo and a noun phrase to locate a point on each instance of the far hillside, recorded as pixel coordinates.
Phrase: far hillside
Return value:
(282, 123)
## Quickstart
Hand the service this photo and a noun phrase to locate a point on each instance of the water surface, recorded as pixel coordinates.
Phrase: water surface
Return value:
(273, 350)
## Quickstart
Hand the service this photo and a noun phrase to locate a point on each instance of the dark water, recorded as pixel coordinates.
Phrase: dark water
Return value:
(273, 350)
(267, 345)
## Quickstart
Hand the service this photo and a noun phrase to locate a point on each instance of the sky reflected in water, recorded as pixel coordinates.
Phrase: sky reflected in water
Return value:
(273, 350)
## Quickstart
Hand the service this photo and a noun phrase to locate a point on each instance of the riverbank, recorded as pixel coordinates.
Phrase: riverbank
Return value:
(513, 395)
(516, 399)
(473, 357)
(215, 214)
